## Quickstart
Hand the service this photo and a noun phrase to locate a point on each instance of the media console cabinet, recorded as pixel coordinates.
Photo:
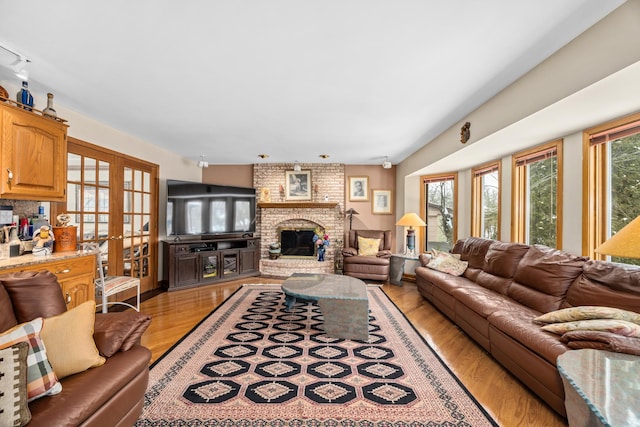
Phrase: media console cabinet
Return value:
(190, 263)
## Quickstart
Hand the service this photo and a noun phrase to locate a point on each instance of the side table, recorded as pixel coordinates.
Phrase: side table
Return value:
(601, 388)
(397, 265)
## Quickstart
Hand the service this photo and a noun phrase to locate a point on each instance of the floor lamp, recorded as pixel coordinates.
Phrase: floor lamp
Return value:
(351, 212)
(411, 220)
(625, 243)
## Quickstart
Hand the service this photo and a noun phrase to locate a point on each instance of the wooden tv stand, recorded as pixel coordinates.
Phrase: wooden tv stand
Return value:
(191, 263)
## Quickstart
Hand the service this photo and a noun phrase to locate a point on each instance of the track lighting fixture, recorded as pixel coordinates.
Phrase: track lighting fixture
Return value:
(386, 164)
(19, 66)
(203, 163)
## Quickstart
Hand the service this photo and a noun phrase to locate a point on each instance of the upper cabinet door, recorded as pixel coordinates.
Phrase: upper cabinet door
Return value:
(34, 156)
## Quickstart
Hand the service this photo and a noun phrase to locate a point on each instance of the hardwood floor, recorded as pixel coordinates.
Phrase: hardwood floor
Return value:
(504, 397)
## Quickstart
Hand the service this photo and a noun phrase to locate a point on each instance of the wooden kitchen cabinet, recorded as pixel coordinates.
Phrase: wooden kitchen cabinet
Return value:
(33, 162)
(76, 274)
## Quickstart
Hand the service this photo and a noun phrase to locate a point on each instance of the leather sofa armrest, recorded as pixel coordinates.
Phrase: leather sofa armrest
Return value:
(349, 252)
(119, 331)
(384, 254)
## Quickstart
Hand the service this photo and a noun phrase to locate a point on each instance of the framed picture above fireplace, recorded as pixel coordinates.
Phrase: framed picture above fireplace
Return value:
(297, 185)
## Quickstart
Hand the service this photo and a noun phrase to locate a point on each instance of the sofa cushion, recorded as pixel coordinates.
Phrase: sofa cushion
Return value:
(119, 331)
(34, 294)
(368, 247)
(614, 326)
(503, 258)
(601, 341)
(587, 312)
(447, 263)
(617, 284)
(370, 234)
(41, 379)
(93, 391)
(14, 410)
(7, 318)
(518, 324)
(473, 250)
(543, 277)
(69, 340)
(484, 301)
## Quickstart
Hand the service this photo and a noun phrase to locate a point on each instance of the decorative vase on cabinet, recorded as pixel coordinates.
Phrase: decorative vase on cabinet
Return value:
(49, 111)
(24, 96)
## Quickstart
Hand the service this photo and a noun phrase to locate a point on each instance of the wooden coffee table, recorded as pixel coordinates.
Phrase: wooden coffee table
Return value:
(343, 301)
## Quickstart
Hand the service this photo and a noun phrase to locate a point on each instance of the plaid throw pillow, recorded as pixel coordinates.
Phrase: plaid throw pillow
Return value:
(41, 380)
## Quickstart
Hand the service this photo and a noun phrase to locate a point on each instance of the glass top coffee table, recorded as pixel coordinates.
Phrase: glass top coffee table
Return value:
(343, 301)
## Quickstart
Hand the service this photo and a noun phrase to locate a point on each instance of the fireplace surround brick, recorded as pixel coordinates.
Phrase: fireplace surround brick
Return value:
(328, 179)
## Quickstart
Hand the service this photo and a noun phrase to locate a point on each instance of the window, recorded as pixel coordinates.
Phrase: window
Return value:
(537, 190)
(612, 177)
(485, 199)
(438, 209)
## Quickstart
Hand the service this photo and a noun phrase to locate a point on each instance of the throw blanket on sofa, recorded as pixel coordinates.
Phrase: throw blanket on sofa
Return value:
(602, 341)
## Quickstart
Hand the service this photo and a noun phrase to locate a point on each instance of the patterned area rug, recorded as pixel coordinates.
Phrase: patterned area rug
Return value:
(252, 363)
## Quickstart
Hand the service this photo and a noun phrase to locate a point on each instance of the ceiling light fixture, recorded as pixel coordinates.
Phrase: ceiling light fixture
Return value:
(324, 156)
(203, 163)
(263, 156)
(297, 167)
(19, 66)
(386, 164)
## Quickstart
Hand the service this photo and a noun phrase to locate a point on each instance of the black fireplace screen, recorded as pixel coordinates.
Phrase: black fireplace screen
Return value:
(298, 243)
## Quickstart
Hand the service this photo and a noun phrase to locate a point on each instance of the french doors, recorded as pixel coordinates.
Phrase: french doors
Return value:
(113, 199)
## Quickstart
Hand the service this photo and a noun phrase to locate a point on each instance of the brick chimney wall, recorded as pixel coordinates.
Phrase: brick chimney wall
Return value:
(328, 180)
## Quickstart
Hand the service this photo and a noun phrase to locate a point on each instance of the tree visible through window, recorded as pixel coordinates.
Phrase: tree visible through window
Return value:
(439, 210)
(536, 194)
(613, 198)
(485, 209)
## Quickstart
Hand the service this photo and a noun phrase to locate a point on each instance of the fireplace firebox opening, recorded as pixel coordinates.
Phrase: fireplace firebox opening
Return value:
(297, 242)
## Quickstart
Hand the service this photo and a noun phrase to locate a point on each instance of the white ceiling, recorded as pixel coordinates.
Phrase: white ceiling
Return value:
(356, 79)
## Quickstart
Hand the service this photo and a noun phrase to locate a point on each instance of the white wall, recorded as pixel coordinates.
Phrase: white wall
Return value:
(584, 84)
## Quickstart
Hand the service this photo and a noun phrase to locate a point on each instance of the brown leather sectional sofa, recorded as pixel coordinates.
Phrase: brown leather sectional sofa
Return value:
(108, 395)
(507, 285)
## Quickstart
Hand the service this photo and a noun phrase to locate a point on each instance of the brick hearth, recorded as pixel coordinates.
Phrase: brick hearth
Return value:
(325, 210)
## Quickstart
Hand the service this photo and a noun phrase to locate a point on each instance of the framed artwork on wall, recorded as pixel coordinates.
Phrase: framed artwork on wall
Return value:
(381, 202)
(358, 188)
(297, 185)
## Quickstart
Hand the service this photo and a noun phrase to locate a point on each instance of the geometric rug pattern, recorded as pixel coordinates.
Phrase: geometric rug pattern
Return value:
(252, 362)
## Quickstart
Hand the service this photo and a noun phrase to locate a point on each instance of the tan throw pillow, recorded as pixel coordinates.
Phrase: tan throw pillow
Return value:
(368, 247)
(447, 263)
(587, 312)
(68, 338)
(14, 410)
(618, 327)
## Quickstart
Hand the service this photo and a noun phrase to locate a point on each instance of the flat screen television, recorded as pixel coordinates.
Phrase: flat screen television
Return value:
(199, 209)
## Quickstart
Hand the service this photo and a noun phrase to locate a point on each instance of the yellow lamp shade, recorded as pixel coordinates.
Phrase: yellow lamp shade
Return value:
(411, 220)
(625, 243)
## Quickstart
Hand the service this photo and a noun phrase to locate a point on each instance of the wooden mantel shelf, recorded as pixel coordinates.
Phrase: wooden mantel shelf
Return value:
(303, 205)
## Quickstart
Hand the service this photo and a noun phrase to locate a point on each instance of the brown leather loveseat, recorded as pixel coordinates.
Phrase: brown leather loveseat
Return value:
(368, 267)
(108, 395)
(506, 285)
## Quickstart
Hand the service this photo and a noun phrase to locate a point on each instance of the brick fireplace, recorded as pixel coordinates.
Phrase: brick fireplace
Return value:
(325, 210)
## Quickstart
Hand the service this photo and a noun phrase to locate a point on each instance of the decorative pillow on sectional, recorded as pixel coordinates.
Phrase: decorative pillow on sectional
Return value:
(368, 247)
(69, 340)
(447, 263)
(618, 327)
(119, 331)
(41, 380)
(34, 294)
(587, 312)
(14, 410)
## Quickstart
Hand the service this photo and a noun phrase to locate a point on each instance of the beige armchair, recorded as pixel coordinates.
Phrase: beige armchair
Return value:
(367, 267)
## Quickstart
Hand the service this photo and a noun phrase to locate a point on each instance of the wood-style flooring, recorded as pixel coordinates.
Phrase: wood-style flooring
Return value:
(503, 396)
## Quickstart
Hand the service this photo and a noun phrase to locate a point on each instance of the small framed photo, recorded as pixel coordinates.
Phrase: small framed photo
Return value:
(297, 185)
(381, 202)
(358, 188)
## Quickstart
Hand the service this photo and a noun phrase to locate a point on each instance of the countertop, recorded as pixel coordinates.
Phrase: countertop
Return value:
(30, 259)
